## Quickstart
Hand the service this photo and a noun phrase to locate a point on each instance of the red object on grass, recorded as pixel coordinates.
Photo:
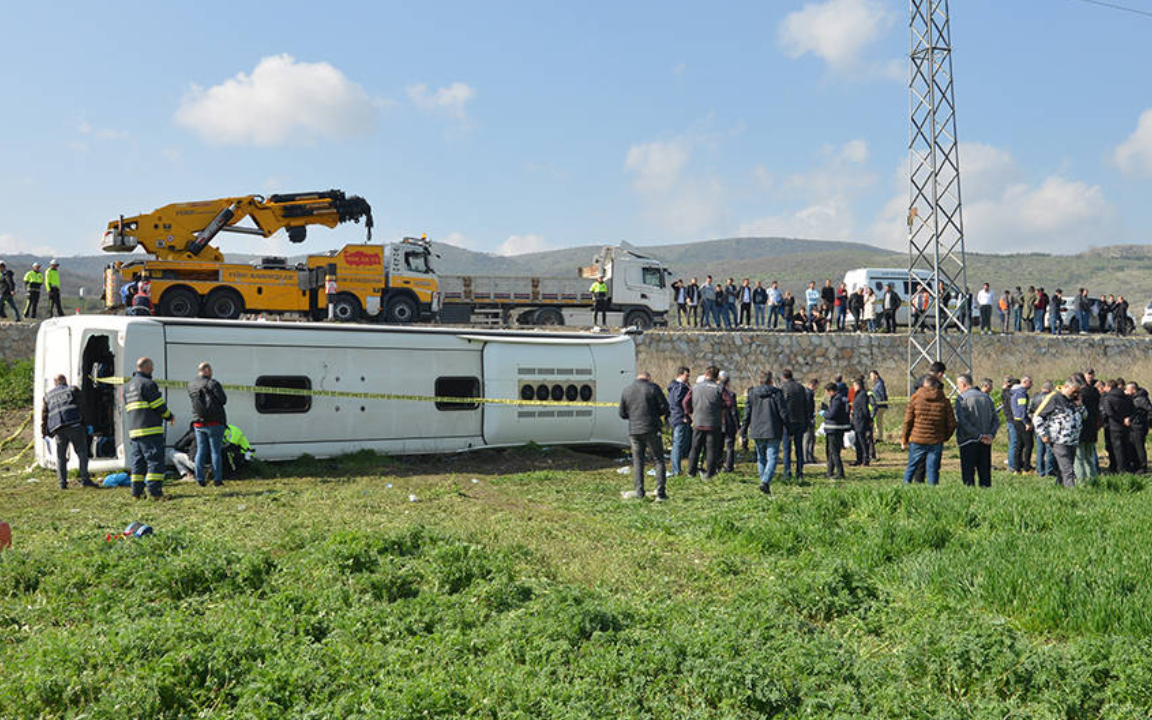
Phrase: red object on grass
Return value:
(5, 535)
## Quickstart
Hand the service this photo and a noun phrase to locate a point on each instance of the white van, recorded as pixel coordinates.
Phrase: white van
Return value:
(347, 359)
(879, 278)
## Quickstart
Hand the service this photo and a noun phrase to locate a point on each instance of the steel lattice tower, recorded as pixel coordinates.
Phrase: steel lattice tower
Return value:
(935, 221)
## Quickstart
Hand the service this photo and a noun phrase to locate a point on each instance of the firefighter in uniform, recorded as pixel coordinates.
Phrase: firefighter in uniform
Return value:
(52, 282)
(33, 281)
(599, 292)
(147, 412)
(63, 421)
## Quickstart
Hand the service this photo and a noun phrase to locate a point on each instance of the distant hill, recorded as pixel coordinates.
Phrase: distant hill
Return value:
(1125, 269)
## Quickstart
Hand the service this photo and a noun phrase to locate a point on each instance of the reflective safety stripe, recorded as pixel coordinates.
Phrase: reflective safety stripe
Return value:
(138, 405)
(137, 478)
(155, 477)
(156, 403)
(143, 432)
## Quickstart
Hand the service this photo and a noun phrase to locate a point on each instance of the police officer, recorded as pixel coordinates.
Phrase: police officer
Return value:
(8, 291)
(33, 281)
(147, 412)
(599, 292)
(52, 281)
(62, 420)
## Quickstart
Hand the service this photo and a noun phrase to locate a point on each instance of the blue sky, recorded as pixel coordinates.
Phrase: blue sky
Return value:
(510, 127)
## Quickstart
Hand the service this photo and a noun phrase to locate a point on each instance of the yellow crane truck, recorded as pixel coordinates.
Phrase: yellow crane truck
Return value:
(189, 277)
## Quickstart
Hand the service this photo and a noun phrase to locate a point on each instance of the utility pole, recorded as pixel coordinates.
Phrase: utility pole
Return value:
(941, 321)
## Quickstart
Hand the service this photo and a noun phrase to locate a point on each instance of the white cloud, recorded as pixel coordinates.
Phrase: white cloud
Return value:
(172, 155)
(656, 165)
(86, 128)
(671, 200)
(10, 244)
(457, 239)
(854, 151)
(1004, 212)
(832, 219)
(450, 99)
(1134, 155)
(837, 31)
(282, 100)
(522, 244)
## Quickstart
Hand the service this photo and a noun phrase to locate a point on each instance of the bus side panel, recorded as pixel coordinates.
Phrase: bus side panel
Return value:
(509, 368)
(328, 426)
(615, 367)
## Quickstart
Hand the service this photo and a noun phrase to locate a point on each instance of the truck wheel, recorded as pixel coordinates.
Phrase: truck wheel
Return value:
(401, 310)
(638, 318)
(224, 304)
(346, 307)
(179, 302)
(548, 316)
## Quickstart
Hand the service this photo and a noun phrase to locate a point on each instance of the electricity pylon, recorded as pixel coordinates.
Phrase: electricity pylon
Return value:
(940, 316)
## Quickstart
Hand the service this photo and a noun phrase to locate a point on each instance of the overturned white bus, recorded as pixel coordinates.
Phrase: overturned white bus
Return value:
(346, 361)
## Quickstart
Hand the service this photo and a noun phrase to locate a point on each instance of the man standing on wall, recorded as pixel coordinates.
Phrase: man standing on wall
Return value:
(599, 292)
(644, 406)
(760, 300)
(891, 305)
(33, 281)
(8, 291)
(146, 412)
(984, 300)
(708, 303)
(52, 282)
(744, 294)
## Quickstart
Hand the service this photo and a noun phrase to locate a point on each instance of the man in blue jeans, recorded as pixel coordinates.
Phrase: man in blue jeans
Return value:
(929, 422)
(209, 421)
(764, 423)
(680, 423)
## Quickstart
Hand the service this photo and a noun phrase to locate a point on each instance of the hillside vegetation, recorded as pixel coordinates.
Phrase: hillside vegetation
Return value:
(519, 585)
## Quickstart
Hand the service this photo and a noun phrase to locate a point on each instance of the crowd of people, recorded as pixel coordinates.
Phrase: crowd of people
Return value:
(212, 447)
(783, 417)
(751, 305)
(35, 281)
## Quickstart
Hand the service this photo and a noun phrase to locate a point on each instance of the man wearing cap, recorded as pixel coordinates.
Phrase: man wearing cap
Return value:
(52, 281)
(8, 291)
(33, 281)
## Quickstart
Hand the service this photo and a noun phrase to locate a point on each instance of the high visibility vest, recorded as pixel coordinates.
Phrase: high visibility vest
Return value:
(53, 279)
(33, 279)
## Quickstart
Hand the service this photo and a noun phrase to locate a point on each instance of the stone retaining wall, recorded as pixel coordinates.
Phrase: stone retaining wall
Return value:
(17, 340)
(745, 355)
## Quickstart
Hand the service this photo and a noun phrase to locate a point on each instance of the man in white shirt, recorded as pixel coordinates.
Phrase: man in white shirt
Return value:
(984, 301)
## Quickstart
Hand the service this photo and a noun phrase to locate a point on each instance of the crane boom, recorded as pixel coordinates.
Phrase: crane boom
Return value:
(184, 231)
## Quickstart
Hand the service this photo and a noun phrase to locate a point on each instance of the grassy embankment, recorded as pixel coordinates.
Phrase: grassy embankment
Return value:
(324, 591)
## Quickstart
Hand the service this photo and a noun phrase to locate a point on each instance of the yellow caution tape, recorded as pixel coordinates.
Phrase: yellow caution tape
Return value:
(300, 392)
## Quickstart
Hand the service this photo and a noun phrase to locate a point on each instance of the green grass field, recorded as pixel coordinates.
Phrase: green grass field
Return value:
(325, 592)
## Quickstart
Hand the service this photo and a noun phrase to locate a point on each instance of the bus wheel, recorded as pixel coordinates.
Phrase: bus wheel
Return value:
(224, 304)
(179, 302)
(548, 316)
(638, 318)
(401, 310)
(346, 307)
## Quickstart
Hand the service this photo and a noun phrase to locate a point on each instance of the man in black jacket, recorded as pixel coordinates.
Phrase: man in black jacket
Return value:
(63, 421)
(1087, 464)
(765, 422)
(8, 291)
(644, 406)
(798, 411)
(680, 423)
(209, 421)
(1141, 415)
(861, 418)
(1120, 311)
(1118, 409)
